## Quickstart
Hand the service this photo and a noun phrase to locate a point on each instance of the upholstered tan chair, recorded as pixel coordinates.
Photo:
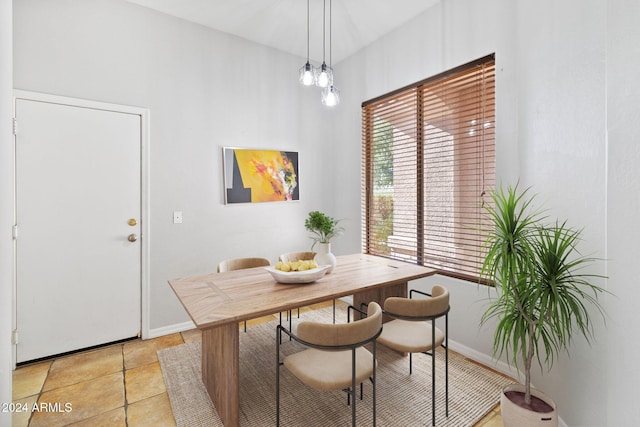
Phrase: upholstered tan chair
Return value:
(414, 330)
(336, 358)
(241, 264)
(296, 256)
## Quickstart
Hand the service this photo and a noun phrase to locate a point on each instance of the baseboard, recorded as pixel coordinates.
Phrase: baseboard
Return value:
(484, 359)
(171, 329)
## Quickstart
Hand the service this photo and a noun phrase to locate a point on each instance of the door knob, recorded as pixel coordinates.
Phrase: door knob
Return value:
(132, 238)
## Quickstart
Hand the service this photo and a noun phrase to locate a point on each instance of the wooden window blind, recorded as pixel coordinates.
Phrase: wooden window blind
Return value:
(428, 153)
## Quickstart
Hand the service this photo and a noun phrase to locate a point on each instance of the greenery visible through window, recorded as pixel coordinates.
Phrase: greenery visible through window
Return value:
(428, 161)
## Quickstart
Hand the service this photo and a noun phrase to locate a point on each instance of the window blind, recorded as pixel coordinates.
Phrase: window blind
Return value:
(428, 153)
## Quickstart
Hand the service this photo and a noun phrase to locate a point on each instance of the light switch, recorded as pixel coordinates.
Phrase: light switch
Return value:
(177, 217)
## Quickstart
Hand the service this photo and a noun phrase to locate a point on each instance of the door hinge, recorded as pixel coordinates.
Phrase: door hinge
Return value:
(14, 232)
(15, 126)
(14, 337)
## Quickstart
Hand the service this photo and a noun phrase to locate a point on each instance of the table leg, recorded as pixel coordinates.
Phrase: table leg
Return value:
(221, 372)
(379, 295)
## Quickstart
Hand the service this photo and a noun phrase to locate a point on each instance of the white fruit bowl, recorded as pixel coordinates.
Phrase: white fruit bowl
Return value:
(305, 276)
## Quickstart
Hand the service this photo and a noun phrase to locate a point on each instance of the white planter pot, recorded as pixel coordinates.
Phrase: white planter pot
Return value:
(514, 415)
(325, 257)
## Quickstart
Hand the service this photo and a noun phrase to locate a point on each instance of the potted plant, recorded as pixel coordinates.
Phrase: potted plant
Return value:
(323, 229)
(543, 294)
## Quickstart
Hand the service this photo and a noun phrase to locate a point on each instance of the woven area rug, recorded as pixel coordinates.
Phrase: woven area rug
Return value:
(402, 399)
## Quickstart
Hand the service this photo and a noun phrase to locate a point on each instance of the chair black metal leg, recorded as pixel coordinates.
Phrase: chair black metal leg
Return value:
(348, 391)
(446, 361)
(353, 387)
(278, 340)
(373, 382)
(280, 323)
(433, 375)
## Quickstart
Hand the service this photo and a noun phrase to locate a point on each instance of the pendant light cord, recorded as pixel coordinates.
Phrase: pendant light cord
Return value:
(324, 27)
(308, 30)
(330, 30)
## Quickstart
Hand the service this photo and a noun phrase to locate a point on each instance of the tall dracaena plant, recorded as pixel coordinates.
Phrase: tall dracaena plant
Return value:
(541, 290)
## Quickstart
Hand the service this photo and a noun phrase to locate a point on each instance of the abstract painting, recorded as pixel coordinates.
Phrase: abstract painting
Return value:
(253, 176)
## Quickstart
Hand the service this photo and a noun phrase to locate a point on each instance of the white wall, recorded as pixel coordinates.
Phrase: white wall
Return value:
(567, 119)
(623, 205)
(6, 206)
(205, 90)
(562, 58)
(563, 69)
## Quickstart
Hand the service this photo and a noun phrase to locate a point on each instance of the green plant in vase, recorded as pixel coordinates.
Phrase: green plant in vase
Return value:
(323, 229)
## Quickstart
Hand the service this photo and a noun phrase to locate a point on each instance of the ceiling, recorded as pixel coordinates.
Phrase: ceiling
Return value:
(282, 24)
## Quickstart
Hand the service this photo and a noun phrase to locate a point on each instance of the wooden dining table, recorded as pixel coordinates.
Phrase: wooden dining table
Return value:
(217, 302)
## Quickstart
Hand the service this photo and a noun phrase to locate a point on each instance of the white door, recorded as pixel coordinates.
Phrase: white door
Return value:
(78, 204)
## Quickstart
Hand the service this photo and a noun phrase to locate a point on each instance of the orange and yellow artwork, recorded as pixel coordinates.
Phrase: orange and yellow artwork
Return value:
(253, 176)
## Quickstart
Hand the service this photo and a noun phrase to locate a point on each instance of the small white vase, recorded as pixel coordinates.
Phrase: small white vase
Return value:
(325, 257)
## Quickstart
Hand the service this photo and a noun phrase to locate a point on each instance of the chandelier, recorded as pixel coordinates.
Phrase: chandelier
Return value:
(321, 77)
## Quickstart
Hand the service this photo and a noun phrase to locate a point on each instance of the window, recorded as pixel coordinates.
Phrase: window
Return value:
(428, 153)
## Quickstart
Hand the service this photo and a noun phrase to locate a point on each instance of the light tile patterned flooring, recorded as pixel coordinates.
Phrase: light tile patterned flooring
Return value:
(118, 385)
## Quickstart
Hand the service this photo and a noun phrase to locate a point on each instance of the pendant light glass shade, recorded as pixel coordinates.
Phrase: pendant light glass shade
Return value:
(330, 96)
(308, 74)
(325, 76)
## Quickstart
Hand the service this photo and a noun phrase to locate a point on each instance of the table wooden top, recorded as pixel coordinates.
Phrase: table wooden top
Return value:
(220, 298)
